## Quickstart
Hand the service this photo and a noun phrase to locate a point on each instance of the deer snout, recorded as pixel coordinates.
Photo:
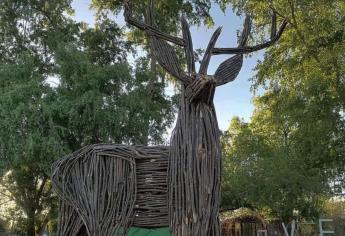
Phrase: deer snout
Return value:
(201, 88)
(206, 79)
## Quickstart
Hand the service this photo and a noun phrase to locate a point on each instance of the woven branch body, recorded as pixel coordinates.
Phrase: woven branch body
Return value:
(195, 164)
(106, 188)
(99, 182)
(70, 222)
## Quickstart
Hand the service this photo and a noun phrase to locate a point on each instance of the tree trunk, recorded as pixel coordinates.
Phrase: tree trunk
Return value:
(30, 228)
(44, 226)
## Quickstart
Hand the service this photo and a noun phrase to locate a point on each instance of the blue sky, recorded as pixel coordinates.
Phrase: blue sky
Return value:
(232, 99)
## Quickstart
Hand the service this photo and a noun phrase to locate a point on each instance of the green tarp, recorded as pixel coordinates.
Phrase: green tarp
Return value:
(133, 231)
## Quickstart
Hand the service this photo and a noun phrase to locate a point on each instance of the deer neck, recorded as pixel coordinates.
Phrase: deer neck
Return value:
(196, 116)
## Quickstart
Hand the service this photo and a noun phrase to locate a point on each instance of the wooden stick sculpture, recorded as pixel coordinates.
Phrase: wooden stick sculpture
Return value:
(104, 189)
(195, 155)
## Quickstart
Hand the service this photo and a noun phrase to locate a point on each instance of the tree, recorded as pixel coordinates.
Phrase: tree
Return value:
(107, 102)
(29, 141)
(299, 118)
(259, 173)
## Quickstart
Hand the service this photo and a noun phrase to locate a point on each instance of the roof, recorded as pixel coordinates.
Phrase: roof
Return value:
(242, 215)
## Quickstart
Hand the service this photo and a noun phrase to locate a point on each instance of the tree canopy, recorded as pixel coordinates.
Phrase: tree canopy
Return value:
(288, 156)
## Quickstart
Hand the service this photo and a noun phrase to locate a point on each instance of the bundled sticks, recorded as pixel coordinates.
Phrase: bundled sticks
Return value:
(151, 204)
(195, 171)
(69, 221)
(106, 188)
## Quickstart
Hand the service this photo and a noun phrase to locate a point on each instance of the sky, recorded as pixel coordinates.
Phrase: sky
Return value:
(232, 99)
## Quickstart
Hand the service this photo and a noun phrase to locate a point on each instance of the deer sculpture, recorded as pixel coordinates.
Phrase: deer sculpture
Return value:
(99, 186)
(195, 155)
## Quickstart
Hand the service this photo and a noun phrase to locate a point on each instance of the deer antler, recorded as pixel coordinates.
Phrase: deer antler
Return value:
(242, 48)
(149, 29)
(163, 52)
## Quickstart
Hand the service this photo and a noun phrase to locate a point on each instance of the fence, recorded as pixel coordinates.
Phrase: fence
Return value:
(234, 228)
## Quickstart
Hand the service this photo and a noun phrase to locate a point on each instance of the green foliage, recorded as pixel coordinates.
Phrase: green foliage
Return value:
(26, 125)
(260, 174)
(104, 103)
(28, 137)
(293, 147)
(166, 12)
(26, 25)
(104, 43)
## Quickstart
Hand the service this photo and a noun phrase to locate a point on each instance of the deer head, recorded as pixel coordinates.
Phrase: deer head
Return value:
(199, 85)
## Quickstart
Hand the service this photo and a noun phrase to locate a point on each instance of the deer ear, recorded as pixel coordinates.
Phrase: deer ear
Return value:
(167, 58)
(228, 70)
